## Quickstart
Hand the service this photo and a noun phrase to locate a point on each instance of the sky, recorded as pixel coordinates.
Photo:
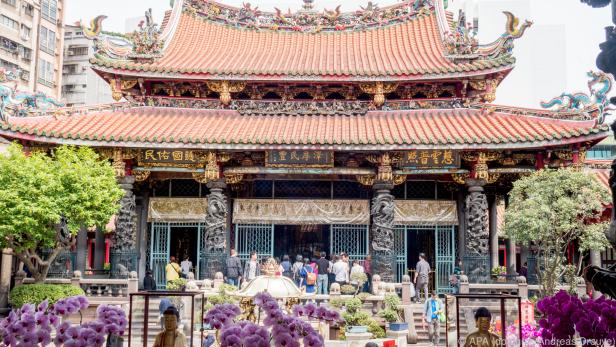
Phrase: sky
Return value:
(577, 31)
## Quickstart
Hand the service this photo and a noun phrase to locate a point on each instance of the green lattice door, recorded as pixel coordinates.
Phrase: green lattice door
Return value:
(445, 249)
(159, 252)
(254, 237)
(349, 238)
(400, 252)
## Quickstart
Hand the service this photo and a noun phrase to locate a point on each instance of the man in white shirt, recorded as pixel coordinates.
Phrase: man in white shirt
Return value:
(341, 271)
(186, 265)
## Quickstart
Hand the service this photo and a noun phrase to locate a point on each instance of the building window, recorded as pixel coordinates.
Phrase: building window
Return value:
(25, 53)
(29, 9)
(25, 32)
(45, 74)
(8, 45)
(47, 40)
(49, 10)
(9, 2)
(8, 65)
(70, 69)
(9, 23)
(78, 51)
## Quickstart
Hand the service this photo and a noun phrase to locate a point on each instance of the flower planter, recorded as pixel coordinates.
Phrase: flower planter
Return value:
(501, 279)
(398, 326)
(357, 329)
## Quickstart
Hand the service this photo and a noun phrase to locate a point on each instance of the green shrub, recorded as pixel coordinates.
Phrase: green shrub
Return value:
(389, 315)
(37, 293)
(336, 302)
(363, 296)
(353, 305)
(347, 289)
(392, 301)
(176, 284)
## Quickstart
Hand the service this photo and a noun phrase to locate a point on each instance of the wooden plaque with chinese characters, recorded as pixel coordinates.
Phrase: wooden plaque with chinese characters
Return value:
(299, 158)
(430, 159)
(167, 157)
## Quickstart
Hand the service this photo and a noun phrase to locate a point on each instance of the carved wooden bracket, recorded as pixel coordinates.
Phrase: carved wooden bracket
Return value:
(141, 176)
(225, 88)
(378, 89)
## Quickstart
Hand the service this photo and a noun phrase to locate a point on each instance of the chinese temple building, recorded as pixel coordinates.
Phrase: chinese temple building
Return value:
(370, 132)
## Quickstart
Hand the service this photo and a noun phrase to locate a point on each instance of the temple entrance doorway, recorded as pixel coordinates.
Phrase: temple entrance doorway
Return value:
(183, 242)
(438, 243)
(307, 240)
(177, 239)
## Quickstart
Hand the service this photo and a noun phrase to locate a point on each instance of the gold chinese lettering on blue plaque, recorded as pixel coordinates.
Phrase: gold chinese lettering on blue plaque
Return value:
(299, 158)
(430, 159)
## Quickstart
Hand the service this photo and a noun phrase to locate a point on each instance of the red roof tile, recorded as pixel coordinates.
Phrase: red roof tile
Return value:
(175, 127)
(407, 50)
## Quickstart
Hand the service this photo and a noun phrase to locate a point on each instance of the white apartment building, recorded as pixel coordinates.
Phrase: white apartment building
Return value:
(31, 33)
(80, 84)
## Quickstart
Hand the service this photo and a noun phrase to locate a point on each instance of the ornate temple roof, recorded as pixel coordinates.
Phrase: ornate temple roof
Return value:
(407, 41)
(165, 127)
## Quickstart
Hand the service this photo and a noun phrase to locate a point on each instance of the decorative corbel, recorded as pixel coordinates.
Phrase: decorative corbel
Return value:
(234, 178)
(116, 88)
(141, 176)
(481, 160)
(486, 88)
(460, 178)
(378, 89)
(212, 166)
(118, 164)
(141, 86)
(399, 179)
(366, 180)
(225, 88)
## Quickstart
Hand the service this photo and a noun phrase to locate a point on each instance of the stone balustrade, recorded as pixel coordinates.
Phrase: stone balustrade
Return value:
(113, 288)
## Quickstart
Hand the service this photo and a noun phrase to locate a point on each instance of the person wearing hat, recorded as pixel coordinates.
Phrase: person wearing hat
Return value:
(171, 336)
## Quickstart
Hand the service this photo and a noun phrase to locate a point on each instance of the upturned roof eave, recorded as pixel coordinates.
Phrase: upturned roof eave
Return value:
(200, 76)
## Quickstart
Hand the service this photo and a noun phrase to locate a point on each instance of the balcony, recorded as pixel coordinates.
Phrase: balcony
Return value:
(74, 79)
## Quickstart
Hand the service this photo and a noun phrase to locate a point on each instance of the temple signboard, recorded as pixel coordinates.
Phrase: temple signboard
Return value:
(299, 158)
(167, 157)
(430, 159)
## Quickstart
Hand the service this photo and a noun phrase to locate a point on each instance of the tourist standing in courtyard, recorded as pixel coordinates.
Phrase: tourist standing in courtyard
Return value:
(297, 267)
(323, 271)
(432, 310)
(186, 266)
(341, 271)
(454, 279)
(233, 269)
(309, 277)
(286, 266)
(368, 271)
(356, 269)
(422, 276)
(148, 281)
(251, 268)
(172, 270)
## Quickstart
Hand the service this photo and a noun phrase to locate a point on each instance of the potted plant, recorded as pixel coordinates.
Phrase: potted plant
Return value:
(357, 320)
(390, 313)
(500, 273)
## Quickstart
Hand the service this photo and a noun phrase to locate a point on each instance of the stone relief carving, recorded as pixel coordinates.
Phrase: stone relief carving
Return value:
(125, 224)
(477, 234)
(215, 221)
(382, 234)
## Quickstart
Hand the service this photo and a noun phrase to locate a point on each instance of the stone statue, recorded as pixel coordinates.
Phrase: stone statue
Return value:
(382, 235)
(171, 336)
(215, 230)
(483, 337)
(477, 235)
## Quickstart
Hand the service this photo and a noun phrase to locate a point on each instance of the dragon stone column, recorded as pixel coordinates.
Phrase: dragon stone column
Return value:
(123, 255)
(382, 231)
(214, 254)
(477, 235)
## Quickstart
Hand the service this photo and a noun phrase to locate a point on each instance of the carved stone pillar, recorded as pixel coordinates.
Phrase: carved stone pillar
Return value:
(82, 250)
(382, 231)
(123, 252)
(477, 235)
(99, 249)
(494, 261)
(215, 230)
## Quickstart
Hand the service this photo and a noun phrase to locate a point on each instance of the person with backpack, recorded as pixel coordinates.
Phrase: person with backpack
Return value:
(297, 267)
(286, 266)
(233, 269)
(309, 278)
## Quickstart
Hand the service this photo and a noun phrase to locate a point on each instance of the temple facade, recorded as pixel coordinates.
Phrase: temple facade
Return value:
(371, 132)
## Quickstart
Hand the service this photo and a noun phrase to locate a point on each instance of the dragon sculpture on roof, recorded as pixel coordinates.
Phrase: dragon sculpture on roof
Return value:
(142, 44)
(596, 101)
(16, 103)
